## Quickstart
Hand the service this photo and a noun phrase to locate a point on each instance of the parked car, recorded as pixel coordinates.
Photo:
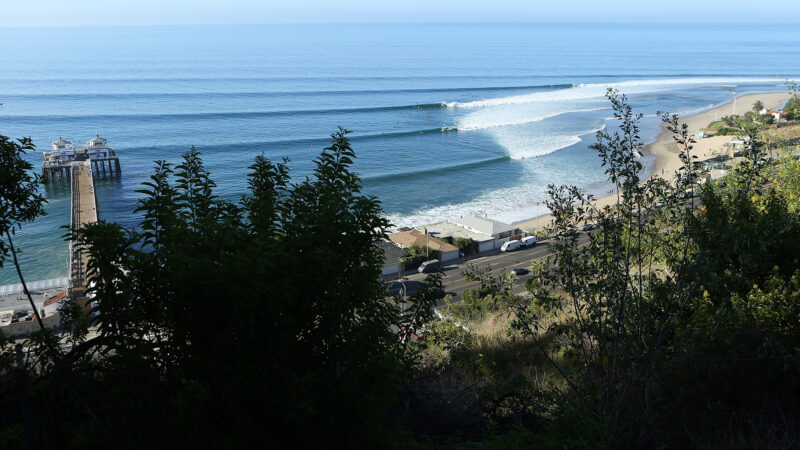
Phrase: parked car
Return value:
(588, 226)
(510, 246)
(528, 241)
(567, 232)
(519, 271)
(429, 266)
(22, 316)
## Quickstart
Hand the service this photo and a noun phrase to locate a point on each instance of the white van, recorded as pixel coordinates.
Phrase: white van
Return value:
(509, 246)
(529, 241)
(429, 266)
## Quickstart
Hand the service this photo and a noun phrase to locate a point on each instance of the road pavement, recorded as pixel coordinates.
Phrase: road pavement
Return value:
(497, 263)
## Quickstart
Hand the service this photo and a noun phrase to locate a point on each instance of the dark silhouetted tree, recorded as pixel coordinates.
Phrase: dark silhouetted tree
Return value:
(20, 202)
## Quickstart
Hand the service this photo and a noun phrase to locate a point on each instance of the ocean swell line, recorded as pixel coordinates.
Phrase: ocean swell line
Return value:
(281, 143)
(219, 115)
(432, 170)
(267, 94)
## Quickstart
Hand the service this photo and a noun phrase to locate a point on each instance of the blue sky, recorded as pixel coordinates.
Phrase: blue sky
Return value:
(27, 13)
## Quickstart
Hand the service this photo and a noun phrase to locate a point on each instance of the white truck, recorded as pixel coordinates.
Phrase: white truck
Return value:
(510, 246)
(528, 241)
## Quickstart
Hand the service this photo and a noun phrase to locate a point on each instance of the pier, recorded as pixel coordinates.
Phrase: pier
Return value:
(83, 211)
(102, 159)
(80, 166)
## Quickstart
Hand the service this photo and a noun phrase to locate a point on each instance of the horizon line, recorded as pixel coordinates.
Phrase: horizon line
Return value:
(432, 22)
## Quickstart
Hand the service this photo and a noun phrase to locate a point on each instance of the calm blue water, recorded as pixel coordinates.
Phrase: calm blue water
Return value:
(525, 100)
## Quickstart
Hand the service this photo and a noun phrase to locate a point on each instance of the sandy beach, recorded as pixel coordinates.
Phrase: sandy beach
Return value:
(665, 150)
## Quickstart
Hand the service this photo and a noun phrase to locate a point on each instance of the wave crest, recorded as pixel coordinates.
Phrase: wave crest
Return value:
(523, 146)
(592, 90)
(517, 115)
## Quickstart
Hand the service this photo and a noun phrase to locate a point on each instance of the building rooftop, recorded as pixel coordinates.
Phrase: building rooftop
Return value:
(448, 229)
(13, 299)
(54, 284)
(391, 252)
(410, 238)
(484, 225)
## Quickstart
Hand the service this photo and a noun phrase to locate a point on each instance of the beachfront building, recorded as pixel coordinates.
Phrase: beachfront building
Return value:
(409, 238)
(451, 230)
(487, 233)
(775, 114)
(500, 231)
(16, 316)
(392, 254)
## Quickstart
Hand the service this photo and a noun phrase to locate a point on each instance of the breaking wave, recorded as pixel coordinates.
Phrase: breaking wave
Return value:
(523, 147)
(517, 115)
(594, 90)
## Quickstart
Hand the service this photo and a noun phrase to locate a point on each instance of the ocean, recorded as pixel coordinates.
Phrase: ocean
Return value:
(447, 119)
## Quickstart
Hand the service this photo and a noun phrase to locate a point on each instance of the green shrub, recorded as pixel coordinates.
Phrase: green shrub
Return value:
(792, 108)
(447, 335)
(766, 119)
(467, 245)
(416, 255)
(475, 304)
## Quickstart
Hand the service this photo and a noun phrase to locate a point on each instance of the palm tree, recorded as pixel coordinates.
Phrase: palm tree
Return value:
(757, 106)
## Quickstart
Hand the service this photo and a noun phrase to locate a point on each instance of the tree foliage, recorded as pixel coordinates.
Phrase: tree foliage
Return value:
(663, 283)
(20, 201)
(786, 178)
(792, 107)
(261, 319)
(467, 246)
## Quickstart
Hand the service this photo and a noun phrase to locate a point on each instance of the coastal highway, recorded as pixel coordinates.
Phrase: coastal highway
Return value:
(498, 263)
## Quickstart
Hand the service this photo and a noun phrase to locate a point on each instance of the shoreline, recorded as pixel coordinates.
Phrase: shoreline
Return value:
(665, 150)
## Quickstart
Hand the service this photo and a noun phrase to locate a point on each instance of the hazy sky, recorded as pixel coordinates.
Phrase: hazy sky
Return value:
(26, 13)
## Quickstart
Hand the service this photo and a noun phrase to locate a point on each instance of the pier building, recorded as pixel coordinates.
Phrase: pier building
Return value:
(102, 158)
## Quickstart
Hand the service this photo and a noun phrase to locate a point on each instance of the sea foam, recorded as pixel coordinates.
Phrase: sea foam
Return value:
(522, 146)
(517, 203)
(518, 114)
